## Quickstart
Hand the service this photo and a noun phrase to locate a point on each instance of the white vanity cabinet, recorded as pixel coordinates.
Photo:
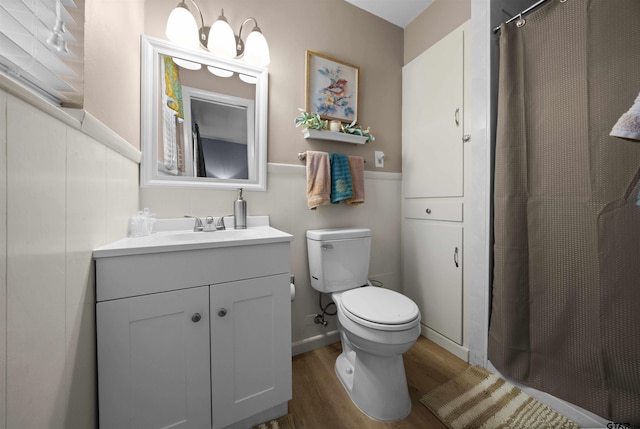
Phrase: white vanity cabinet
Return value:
(195, 336)
(250, 347)
(154, 360)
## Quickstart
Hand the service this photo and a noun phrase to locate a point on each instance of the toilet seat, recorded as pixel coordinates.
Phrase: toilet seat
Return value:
(379, 308)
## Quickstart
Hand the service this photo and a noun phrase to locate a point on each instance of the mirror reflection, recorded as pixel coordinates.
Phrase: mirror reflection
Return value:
(204, 120)
(221, 133)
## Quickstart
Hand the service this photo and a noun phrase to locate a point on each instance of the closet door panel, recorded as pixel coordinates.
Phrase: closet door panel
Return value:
(433, 274)
(432, 130)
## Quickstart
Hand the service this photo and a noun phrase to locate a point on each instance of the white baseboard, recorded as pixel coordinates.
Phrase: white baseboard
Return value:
(460, 351)
(313, 343)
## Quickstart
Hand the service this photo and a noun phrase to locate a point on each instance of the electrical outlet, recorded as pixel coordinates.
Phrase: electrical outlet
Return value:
(309, 319)
(379, 158)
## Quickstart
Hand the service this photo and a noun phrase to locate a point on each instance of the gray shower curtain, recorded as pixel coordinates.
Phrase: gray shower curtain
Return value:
(565, 315)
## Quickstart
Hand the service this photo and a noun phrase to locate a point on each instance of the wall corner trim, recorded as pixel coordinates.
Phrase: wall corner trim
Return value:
(92, 127)
(79, 119)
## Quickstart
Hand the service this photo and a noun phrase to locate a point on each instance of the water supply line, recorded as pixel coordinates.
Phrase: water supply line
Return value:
(319, 319)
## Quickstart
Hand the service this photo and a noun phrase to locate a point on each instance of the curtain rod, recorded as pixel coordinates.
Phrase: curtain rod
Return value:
(524, 12)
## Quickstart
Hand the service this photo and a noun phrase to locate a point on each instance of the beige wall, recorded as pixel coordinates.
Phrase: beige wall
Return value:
(335, 28)
(112, 64)
(438, 20)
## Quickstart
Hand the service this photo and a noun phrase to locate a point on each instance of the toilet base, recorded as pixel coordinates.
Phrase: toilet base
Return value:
(376, 385)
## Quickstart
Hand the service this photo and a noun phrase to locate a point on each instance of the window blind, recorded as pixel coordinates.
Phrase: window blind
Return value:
(36, 47)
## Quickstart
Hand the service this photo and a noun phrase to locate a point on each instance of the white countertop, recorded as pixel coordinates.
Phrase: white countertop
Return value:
(177, 235)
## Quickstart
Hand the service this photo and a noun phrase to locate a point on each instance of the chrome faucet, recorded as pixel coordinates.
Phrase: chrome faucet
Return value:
(198, 226)
(213, 224)
(220, 222)
(210, 223)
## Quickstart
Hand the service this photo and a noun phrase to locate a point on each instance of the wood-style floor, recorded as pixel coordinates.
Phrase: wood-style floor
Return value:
(320, 402)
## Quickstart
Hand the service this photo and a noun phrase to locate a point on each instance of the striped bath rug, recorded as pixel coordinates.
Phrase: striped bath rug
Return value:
(479, 399)
(284, 422)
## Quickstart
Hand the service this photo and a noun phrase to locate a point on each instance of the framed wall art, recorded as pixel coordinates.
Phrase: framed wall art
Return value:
(332, 87)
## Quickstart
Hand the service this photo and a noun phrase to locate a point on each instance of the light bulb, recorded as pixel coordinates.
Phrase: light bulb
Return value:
(221, 39)
(256, 50)
(182, 28)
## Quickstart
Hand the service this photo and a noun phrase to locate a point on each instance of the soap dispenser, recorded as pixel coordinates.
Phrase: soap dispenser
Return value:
(240, 212)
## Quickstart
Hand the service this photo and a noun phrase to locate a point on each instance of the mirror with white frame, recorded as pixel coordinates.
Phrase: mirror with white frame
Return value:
(203, 119)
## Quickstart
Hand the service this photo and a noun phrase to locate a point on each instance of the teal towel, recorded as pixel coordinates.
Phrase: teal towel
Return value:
(341, 188)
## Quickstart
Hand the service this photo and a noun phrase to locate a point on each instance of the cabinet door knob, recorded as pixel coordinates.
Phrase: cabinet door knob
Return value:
(196, 318)
(428, 211)
(222, 312)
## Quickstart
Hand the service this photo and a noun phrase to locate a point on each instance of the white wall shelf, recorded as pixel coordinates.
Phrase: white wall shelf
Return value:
(333, 136)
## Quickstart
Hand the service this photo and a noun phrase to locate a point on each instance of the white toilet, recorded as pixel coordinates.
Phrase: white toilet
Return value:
(376, 325)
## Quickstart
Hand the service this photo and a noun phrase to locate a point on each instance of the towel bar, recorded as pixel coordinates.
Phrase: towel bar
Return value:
(303, 155)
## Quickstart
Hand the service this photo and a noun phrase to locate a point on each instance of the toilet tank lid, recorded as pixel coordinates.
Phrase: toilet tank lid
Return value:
(338, 233)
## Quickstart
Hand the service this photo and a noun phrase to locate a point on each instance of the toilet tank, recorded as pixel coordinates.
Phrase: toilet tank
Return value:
(338, 258)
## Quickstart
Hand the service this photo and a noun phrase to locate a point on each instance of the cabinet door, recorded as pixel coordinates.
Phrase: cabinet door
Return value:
(153, 361)
(250, 347)
(433, 274)
(432, 120)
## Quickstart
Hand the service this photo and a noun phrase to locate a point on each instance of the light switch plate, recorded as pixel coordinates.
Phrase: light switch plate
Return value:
(379, 157)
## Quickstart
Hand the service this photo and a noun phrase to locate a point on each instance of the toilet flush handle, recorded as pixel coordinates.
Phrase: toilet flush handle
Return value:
(327, 247)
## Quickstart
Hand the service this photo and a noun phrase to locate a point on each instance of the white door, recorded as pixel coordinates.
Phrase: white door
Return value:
(250, 347)
(433, 274)
(153, 361)
(432, 120)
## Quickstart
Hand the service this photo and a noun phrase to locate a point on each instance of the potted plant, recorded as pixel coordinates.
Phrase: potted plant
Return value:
(313, 121)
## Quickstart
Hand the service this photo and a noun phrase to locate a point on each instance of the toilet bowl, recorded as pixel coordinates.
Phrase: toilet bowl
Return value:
(370, 366)
(376, 325)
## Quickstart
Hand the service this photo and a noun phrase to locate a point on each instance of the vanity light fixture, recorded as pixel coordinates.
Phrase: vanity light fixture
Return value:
(256, 48)
(219, 39)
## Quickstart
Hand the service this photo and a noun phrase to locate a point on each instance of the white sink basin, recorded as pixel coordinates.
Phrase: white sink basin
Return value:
(186, 239)
(221, 235)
